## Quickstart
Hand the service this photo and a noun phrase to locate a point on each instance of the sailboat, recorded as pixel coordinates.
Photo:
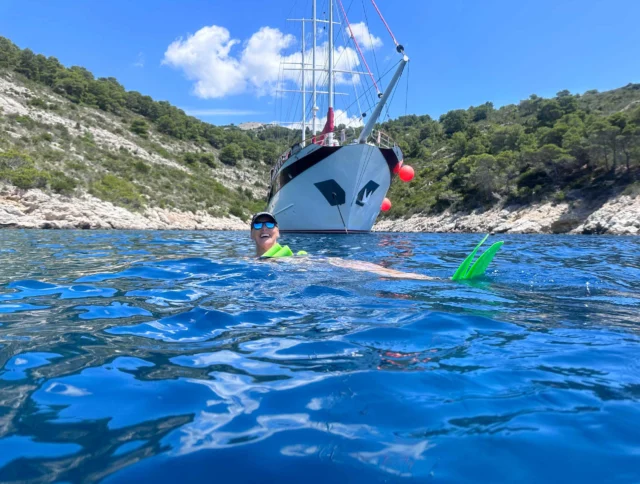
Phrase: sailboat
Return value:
(330, 182)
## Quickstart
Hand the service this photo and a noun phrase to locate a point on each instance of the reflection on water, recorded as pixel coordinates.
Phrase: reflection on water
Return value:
(176, 357)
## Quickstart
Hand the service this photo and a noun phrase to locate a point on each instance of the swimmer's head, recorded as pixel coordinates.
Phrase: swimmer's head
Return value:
(264, 231)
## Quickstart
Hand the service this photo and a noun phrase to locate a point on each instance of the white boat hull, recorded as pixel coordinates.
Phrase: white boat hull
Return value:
(332, 189)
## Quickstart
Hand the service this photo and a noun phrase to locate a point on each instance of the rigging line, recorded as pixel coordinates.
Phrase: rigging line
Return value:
(395, 89)
(289, 116)
(357, 45)
(369, 88)
(406, 94)
(280, 102)
(368, 97)
(385, 23)
(369, 101)
(281, 77)
(373, 51)
(340, 31)
(353, 82)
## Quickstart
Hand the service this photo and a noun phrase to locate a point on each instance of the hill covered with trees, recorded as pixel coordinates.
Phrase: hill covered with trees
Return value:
(570, 146)
(66, 131)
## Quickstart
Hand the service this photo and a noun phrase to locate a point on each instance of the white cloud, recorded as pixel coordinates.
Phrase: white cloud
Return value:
(206, 58)
(260, 60)
(365, 39)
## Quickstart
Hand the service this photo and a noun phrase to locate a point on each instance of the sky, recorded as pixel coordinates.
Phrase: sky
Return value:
(222, 60)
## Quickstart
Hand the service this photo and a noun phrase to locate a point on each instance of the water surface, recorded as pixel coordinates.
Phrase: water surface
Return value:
(175, 357)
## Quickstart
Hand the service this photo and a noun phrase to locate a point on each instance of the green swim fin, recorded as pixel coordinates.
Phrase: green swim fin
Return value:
(283, 252)
(480, 266)
(462, 270)
(273, 250)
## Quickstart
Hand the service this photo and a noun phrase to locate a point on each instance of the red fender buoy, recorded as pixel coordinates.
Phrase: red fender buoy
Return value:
(406, 173)
(386, 205)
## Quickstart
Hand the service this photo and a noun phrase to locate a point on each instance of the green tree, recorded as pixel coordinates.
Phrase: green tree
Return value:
(567, 102)
(454, 121)
(270, 152)
(604, 140)
(458, 144)
(72, 84)
(486, 176)
(629, 142)
(9, 54)
(577, 145)
(481, 112)
(139, 127)
(231, 154)
(27, 65)
(478, 145)
(550, 111)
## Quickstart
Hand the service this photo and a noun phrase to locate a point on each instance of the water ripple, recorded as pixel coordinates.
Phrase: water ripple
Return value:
(185, 355)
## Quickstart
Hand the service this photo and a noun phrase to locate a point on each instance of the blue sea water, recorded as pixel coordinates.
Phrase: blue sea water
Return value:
(176, 357)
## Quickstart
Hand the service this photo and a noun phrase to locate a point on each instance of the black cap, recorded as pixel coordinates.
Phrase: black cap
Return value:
(263, 214)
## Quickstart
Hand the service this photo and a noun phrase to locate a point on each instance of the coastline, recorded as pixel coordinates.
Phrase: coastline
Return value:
(619, 215)
(35, 209)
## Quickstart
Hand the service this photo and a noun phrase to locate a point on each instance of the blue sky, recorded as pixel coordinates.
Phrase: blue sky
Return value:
(462, 52)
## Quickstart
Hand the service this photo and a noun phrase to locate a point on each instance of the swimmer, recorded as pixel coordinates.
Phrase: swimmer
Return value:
(265, 233)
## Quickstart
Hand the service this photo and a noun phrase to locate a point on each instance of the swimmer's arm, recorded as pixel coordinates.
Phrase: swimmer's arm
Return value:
(357, 265)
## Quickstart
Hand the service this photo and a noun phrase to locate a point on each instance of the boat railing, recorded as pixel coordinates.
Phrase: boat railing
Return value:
(341, 137)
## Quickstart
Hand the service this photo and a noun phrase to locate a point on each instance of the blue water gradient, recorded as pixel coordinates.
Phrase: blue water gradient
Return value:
(177, 357)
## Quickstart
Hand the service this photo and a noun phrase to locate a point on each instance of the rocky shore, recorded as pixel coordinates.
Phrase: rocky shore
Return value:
(619, 216)
(36, 209)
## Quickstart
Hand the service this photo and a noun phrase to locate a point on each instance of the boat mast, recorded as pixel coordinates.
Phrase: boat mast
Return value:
(304, 94)
(330, 113)
(313, 72)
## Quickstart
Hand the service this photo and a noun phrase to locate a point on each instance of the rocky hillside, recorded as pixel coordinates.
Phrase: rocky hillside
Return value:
(572, 148)
(52, 144)
(76, 151)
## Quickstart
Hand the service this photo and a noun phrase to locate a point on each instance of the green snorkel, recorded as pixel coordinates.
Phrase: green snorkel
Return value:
(467, 271)
(279, 251)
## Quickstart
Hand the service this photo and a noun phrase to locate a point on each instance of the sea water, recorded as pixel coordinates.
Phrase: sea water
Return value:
(177, 357)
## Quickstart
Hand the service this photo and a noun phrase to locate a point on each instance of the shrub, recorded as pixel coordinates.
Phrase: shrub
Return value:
(238, 212)
(208, 159)
(61, 183)
(37, 102)
(25, 121)
(190, 158)
(118, 191)
(231, 154)
(141, 167)
(12, 160)
(161, 151)
(139, 127)
(26, 177)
